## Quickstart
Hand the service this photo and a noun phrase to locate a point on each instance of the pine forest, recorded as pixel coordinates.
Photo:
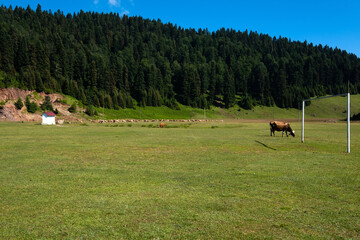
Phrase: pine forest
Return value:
(113, 61)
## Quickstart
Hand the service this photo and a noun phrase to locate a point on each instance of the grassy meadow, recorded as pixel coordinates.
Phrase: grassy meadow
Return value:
(333, 108)
(209, 180)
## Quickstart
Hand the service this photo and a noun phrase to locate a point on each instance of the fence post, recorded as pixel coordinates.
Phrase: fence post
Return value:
(302, 121)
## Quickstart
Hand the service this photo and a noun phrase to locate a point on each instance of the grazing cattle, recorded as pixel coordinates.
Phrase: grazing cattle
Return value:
(162, 125)
(281, 126)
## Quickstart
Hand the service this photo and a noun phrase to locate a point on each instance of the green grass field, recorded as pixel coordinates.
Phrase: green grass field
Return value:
(187, 181)
(334, 108)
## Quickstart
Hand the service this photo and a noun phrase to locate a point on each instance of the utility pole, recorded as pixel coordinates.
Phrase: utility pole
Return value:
(348, 118)
(348, 115)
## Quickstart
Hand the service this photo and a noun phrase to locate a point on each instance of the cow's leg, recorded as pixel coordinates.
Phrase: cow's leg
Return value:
(282, 133)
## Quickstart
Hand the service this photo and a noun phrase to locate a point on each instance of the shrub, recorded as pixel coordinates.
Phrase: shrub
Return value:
(19, 104)
(72, 108)
(46, 105)
(90, 110)
(31, 107)
(62, 101)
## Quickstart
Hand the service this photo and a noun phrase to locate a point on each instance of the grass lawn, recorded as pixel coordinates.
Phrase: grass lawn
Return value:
(334, 108)
(199, 181)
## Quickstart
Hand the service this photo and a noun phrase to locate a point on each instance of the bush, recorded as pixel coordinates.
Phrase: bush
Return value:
(90, 111)
(171, 104)
(72, 108)
(19, 104)
(31, 107)
(62, 101)
(46, 105)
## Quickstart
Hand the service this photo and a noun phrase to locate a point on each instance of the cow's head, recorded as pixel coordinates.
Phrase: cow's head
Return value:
(292, 133)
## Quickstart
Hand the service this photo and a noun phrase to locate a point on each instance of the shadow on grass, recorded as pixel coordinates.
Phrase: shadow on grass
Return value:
(265, 145)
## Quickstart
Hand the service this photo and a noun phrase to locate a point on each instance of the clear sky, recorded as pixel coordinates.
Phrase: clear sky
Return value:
(326, 22)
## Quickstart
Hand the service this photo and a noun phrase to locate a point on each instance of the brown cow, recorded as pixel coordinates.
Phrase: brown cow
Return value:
(281, 126)
(162, 125)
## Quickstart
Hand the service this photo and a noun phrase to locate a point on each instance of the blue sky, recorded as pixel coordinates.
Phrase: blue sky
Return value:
(332, 23)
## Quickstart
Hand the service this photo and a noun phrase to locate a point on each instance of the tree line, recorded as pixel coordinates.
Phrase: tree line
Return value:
(113, 61)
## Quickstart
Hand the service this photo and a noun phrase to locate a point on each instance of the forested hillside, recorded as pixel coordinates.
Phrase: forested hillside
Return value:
(110, 60)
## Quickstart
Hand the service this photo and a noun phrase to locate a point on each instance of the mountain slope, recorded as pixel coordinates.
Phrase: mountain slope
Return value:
(117, 62)
(8, 111)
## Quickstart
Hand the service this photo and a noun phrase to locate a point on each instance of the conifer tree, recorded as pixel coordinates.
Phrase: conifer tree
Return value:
(19, 104)
(47, 105)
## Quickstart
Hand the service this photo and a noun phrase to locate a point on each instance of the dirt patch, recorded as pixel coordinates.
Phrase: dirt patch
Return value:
(10, 113)
(7, 94)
